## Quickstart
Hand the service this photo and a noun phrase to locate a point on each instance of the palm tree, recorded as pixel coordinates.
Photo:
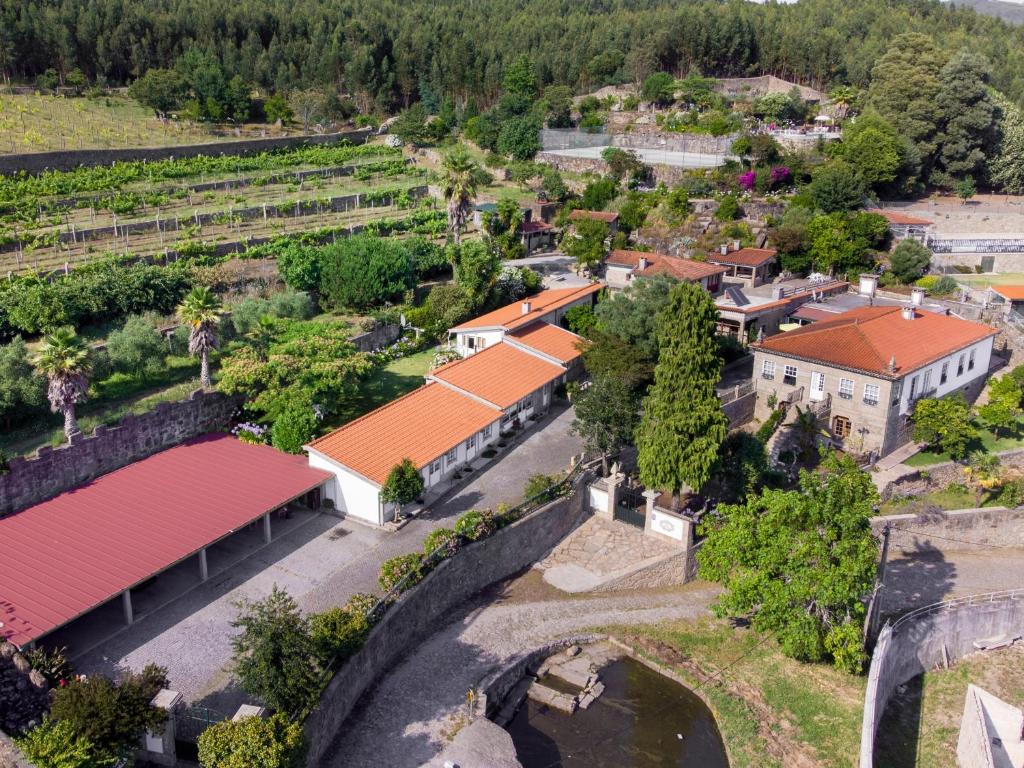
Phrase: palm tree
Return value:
(201, 311)
(64, 359)
(460, 182)
(805, 428)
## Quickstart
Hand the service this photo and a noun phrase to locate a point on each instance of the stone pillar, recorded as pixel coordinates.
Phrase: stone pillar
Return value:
(204, 569)
(126, 606)
(614, 483)
(159, 747)
(266, 529)
(651, 497)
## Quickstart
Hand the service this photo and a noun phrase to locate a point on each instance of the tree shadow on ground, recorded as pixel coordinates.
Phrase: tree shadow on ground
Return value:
(916, 576)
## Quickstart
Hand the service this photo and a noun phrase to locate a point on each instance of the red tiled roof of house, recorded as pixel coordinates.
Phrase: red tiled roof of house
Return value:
(511, 316)
(500, 374)
(866, 339)
(898, 217)
(534, 226)
(663, 264)
(421, 426)
(606, 216)
(1010, 292)
(548, 339)
(744, 257)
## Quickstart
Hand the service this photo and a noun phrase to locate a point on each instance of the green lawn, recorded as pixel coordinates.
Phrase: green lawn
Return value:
(383, 385)
(811, 708)
(954, 496)
(983, 281)
(987, 441)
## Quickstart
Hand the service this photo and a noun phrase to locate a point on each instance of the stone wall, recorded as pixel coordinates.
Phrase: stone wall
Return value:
(51, 471)
(938, 476)
(924, 639)
(10, 757)
(380, 336)
(667, 174)
(669, 141)
(954, 530)
(420, 611)
(37, 162)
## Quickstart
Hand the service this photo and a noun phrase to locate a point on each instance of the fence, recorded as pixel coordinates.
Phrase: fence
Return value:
(925, 638)
(728, 395)
(975, 245)
(553, 139)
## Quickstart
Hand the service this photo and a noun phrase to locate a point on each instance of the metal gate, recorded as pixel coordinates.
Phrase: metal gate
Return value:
(189, 723)
(631, 508)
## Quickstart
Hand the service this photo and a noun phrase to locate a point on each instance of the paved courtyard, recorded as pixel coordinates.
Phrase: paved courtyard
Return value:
(321, 561)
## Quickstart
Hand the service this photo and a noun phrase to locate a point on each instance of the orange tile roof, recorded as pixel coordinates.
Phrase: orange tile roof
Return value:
(744, 257)
(534, 226)
(500, 374)
(511, 316)
(550, 340)
(606, 216)
(422, 426)
(663, 264)
(897, 217)
(865, 339)
(1011, 292)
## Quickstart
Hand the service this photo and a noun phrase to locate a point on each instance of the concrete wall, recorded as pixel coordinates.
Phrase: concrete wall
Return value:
(418, 612)
(741, 410)
(54, 470)
(381, 336)
(954, 530)
(923, 639)
(663, 174)
(37, 162)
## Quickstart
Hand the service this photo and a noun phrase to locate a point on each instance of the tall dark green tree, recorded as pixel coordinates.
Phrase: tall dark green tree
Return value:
(606, 416)
(970, 117)
(683, 424)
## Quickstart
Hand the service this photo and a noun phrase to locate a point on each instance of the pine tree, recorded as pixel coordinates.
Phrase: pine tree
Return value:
(683, 424)
(969, 118)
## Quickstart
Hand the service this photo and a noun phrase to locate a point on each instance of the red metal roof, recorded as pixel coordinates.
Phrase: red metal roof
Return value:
(65, 556)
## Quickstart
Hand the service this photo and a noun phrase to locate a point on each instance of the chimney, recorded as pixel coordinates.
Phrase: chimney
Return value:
(526, 307)
(735, 245)
(725, 249)
(892, 364)
(868, 285)
(908, 313)
(642, 264)
(917, 297)
(778, 292)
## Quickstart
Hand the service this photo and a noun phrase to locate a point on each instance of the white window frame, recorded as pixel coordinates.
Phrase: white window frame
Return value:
(486, 431)
(846, 389)
(787, 375)
(452, 457)
(435, 466)
(470, 442)
(868, 398)
(768, 369)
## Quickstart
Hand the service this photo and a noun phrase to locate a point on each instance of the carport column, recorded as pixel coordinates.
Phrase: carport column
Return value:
(126, 604)
(266, 528)
(204, 570)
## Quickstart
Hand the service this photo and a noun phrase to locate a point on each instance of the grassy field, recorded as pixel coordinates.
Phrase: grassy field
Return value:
(920, 727)
(393, 380)
(42, 123)
(771, 710)
(983, 281)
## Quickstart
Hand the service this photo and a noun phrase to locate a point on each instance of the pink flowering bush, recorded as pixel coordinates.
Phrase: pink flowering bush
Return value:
(780, 174)
(747, 180)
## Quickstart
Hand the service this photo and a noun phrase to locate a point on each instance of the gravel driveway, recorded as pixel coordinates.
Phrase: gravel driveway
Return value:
(405, 719)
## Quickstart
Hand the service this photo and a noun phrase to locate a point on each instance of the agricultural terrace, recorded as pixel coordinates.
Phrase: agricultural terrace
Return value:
(191, 205)
(45, 123)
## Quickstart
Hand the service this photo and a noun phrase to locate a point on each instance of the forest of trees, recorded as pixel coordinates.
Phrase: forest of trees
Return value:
(390, 53)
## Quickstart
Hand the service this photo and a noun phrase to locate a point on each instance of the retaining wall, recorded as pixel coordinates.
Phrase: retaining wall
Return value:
(954, 530)
(741, 410)
(926, 638)
(30, 480)
(667, 174)
(37, 162)
(419, 612)
(380, 336)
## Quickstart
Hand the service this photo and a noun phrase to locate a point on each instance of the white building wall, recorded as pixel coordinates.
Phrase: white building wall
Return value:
(351, 493)
(490, 338)
(982, 356)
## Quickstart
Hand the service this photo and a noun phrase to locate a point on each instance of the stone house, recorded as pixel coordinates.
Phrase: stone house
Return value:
(622, 267)
(750, 267)
(870, 366)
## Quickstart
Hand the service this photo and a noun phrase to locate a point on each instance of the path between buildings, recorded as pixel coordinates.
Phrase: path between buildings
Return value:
(320, 564)
(404, 720)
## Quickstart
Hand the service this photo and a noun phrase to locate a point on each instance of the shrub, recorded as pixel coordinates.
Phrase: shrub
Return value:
(55, 744)
(475, 525)
(728, 209)
(537, 486)
(253, 742)
(581, 320)
(111, 717)
(767, 429)
(273, 652)
(444, 539)
(293, 304)
(1012, 493)
(364, 271)
(137, 349)
(339, 632)
(294, 428)
(408, 567)
(945, 285)
(53, 665)
(909, 260)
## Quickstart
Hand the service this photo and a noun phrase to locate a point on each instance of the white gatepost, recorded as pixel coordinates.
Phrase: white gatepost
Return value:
(159, 747)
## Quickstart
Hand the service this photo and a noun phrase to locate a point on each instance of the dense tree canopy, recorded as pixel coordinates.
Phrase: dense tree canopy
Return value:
(392, 53)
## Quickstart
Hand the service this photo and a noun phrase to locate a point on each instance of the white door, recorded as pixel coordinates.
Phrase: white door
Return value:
(817, 386)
